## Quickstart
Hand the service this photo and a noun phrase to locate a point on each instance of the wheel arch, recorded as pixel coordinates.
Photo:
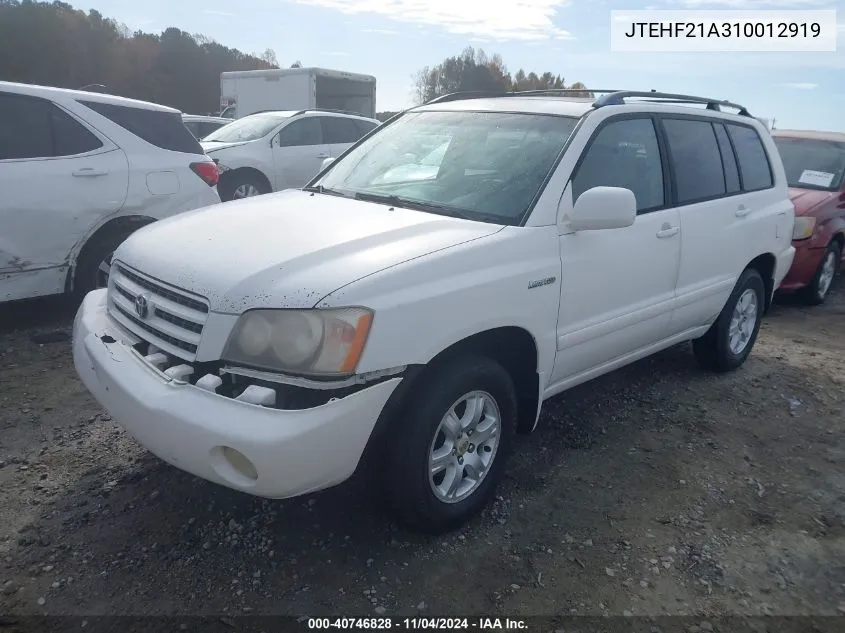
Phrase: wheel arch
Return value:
(765, 265)
(229, 174)
(118, 224)
(511, 346)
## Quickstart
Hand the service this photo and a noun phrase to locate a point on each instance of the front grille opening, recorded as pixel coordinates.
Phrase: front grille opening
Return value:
(196, 328)
(175, 342)
(164, 292)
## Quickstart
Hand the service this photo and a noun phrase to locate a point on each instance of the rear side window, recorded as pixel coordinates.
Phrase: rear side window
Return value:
(36, 128)
(624, 154)
(753, 161)
(728, 159)
(365, 127)
(339, 130)
(696, 159)
(162, 129)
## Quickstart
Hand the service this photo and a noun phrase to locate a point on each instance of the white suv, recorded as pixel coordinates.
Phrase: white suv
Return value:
(79, 172)
(271, 151)
(414, 325)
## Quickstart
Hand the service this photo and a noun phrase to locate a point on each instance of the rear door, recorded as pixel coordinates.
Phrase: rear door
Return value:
(58, 178)
(299, 152)
(718, 185)
(340, 132)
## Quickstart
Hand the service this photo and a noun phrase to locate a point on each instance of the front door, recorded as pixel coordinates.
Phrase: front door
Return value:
(299, 152)
(618, 285)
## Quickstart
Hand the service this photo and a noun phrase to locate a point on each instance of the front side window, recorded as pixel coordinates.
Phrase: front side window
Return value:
(812, 163)
(624, 154)
(480, 165)
(249, 128)
(36, 128)
(696, 159)
(301, 132)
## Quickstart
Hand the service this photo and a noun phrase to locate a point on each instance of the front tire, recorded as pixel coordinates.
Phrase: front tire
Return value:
(729, 340)
(450, 445)
(816, 293)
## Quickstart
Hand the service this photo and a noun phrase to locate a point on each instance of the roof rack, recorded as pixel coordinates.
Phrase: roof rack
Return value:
(607, 98)
(618, 98)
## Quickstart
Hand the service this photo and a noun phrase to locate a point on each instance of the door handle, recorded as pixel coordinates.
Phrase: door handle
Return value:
(89, 172)
(742, 211)
(323, 156)
(668, 231)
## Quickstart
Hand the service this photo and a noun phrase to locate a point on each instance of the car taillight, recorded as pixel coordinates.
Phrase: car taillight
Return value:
(207, 171)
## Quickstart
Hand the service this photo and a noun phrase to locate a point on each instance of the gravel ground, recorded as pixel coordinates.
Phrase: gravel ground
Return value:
(659, 489)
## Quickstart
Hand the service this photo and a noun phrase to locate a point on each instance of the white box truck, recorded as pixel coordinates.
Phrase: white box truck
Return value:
(248, 91)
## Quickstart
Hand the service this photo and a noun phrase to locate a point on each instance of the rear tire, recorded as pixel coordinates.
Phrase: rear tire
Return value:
(244, 184)
(441, 469)
(816, 293)
(92, 266)
(729, 340)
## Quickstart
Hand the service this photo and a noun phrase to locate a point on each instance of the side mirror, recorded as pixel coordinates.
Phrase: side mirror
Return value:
(603, 208)
(328, 161)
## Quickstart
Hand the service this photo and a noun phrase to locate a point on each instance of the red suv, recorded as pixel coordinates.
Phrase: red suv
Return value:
(815, 171)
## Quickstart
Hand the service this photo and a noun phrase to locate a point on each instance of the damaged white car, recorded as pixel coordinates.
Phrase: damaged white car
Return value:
(274, 345)
(79, 172)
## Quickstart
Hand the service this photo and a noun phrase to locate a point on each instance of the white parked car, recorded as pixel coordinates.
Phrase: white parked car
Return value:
(271, 151)
(416, 326)
(201, 126)
(79, 172)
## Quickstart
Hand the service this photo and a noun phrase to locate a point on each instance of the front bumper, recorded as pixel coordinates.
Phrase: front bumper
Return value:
(292, 452)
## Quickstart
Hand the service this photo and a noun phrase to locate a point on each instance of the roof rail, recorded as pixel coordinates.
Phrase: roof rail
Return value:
(609, 97)
(489, 94)
(618, 98)
(333, 111)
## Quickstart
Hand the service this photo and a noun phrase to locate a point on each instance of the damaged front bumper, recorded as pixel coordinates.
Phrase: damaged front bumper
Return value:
(263, 451)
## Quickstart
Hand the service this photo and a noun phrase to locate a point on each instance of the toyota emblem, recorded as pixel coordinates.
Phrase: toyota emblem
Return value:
(142, 306)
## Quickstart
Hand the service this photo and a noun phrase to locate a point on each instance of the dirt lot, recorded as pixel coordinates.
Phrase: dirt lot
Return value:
(659, 489)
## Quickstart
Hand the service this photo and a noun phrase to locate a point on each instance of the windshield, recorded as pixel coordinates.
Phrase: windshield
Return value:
(249, 128)
(812, 163)
(480, 165)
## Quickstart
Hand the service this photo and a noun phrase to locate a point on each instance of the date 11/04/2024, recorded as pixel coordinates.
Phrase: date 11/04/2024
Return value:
(417, 623)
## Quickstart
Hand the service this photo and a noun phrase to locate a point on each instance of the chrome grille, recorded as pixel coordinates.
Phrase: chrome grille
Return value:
(164, 316)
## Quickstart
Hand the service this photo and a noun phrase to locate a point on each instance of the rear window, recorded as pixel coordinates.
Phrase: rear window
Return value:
(812, 163)
(162, 129)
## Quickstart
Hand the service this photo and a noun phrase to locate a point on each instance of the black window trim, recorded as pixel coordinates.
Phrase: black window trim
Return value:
(106, 144)
(722, 158)
(713, 120)
(662, 145)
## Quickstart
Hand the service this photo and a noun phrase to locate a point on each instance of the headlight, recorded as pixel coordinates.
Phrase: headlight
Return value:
(804, 227)
(324, 342)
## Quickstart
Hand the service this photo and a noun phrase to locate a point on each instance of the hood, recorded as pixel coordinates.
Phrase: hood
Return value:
(806, 200)
(288, 249)
(211, 146)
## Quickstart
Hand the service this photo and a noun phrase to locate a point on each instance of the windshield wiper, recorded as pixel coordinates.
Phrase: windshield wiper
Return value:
(327, 191)
(415, 205)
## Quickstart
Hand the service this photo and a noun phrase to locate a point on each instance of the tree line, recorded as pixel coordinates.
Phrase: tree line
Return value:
(53, 44)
